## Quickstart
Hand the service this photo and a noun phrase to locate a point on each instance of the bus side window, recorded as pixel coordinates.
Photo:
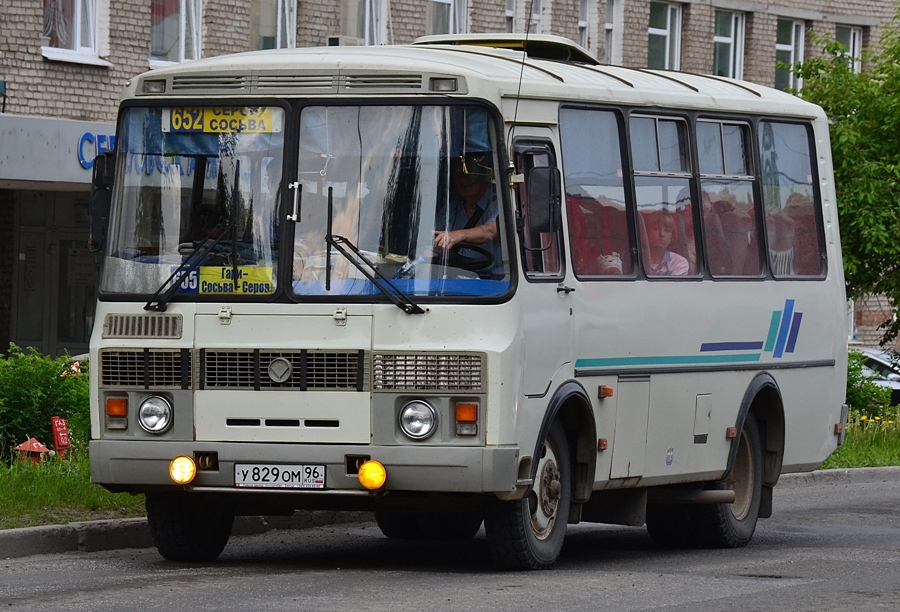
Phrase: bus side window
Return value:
(728, 207)
(595, 193)
(540, 250)
(793, 230)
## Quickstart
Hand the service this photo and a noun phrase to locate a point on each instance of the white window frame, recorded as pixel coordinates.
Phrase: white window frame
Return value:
(510, 16)
(190, 25)
(85, 51)
(613, 33)
(371, 31)
(795, 48)
(583, 23)
(671, 34)
(285, 23)
(537, 10)
(457, 16)
(735, 44)
(854, 49)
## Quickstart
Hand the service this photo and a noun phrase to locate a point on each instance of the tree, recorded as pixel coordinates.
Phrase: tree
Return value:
(864, 109)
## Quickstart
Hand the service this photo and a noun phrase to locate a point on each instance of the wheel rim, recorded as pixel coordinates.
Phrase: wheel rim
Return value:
(544, 498)
(741, 481)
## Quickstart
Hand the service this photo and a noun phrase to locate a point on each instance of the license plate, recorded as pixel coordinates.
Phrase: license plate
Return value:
(270, 476)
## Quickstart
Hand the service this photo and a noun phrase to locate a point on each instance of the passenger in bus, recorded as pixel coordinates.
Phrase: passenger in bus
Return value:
(472, 213)
(661, 233)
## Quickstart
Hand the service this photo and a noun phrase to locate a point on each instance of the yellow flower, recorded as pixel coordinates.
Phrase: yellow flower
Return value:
(863, 418)
(877, 418)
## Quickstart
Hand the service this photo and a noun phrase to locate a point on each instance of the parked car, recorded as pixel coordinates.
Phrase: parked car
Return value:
(884, 370)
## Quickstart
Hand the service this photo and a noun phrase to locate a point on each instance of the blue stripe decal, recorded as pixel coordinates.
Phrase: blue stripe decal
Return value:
(795, 329)
(664, 360)
(785, 327)
(731, 346)
(773, 330)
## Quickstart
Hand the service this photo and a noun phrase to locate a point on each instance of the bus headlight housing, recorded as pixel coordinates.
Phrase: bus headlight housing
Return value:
(418, 419)
(155, 414)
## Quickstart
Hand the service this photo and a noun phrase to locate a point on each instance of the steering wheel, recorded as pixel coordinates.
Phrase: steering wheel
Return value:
(483, 258)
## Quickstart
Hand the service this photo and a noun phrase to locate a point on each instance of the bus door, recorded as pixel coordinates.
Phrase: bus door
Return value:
(546, 301)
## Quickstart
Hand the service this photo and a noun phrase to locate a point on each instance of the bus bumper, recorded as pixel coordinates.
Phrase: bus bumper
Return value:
(137, 466)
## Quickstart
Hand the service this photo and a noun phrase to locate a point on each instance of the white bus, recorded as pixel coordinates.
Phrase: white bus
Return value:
(472, 280)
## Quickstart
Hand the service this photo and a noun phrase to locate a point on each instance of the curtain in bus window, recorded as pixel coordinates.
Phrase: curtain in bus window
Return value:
(793, 232)
(595, 193)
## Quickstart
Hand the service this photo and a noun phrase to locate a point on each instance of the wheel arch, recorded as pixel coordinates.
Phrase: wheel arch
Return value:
(571, 405)
(763, 401)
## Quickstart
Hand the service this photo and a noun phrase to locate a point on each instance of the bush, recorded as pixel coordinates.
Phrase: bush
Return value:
(864, 397)
(35, 387)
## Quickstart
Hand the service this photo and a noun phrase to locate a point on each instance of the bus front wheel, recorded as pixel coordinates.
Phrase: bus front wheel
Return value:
(528, 533)
(188, 527)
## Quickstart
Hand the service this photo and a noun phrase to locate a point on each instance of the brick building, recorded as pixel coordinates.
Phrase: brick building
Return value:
(63, 63)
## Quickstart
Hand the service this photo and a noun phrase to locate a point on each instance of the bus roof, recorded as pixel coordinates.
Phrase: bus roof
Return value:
(491, 66)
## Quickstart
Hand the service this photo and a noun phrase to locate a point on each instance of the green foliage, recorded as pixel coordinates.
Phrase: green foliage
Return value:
(864, 110)
(35, 387)
(869, 442)
(55, 492)
(864, 397)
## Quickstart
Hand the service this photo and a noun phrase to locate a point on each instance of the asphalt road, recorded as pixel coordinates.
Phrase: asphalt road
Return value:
(832, 544)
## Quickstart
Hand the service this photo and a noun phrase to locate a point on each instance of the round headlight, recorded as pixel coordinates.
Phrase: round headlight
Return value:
(418, 419)
(155, 414)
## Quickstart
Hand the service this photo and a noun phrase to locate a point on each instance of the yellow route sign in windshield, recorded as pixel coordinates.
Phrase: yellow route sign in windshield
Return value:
(222, 119)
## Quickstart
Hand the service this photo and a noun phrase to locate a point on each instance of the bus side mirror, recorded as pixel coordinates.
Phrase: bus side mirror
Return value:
(544, 199)
(102, 180)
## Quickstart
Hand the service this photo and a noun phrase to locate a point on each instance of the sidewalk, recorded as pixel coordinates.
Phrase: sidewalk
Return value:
(93, 536)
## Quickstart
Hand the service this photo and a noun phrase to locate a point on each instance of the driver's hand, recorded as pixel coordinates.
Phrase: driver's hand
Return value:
(447, 240)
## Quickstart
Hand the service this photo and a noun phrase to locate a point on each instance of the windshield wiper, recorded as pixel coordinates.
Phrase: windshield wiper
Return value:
(159, 303)
(369, 270)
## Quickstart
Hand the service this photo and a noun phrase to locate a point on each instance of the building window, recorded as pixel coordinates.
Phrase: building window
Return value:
(728, 45)
(537, 9)
(175, 30)
(72, 31)
(851, 38)
(788, 53)
(273, 24)
(364, 20)
(664, 36)
(510, 16)
(583, 23)
(446, 16)
(613, 33)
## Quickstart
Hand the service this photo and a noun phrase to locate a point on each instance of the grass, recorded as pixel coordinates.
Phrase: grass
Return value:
(871, 441)
(56, 492)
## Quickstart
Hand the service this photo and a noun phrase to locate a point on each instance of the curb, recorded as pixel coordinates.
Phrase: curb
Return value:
(114, 534)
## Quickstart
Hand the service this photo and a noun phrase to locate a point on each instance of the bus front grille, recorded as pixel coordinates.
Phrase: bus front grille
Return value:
(428, 372)
(145, 368)
(305, 370)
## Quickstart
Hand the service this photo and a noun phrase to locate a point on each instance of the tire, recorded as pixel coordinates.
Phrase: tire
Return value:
(528, 534)
(732, 525)
(399, 525)
(188, 528)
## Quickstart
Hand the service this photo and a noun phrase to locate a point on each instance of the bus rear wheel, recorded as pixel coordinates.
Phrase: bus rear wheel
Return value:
(528, 533)
(188, 527)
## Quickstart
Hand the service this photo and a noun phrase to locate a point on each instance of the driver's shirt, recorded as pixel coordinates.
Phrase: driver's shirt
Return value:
(457, 219)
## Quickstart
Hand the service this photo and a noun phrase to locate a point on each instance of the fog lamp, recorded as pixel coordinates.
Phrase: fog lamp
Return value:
(155, 414)
(182, 470)
(372, 475)
(418, 419)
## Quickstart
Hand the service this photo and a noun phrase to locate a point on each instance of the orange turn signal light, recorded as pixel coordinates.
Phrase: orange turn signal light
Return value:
(604, 391)
(117, 406)
(466, 413)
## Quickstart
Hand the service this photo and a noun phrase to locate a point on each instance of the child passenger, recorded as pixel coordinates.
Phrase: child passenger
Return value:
(660, 235)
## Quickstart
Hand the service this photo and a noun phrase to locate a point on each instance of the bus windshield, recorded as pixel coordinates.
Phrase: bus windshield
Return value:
(386, 199)
(410, 189)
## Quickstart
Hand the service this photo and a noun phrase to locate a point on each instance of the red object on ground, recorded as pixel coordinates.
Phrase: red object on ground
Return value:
(31, 449)
(60, 435)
